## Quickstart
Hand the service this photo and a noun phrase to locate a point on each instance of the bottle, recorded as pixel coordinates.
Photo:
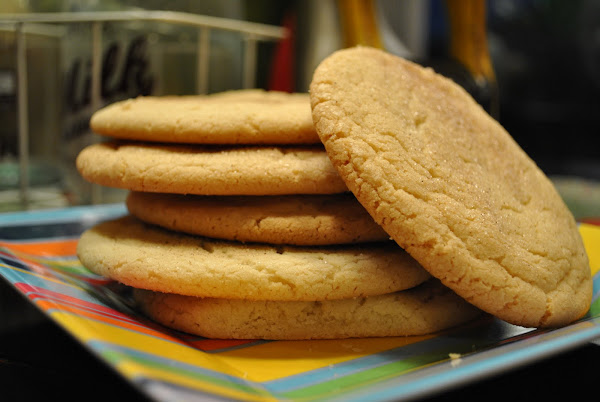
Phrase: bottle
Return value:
(469, 52)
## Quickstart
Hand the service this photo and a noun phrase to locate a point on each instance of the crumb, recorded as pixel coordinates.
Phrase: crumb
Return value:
(455, 359)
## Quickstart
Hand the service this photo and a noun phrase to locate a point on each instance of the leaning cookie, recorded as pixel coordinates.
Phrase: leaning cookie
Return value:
(425, 309)
(210, 170)
(302, 220)
(233, 117)
(148, 257)
(451, 186)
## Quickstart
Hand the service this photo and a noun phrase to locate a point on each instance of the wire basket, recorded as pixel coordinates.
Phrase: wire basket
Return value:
(16, 179)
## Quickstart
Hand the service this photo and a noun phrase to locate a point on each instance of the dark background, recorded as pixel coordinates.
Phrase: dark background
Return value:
(547, 59)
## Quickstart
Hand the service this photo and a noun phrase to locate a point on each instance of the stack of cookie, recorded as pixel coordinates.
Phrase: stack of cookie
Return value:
(240, 226)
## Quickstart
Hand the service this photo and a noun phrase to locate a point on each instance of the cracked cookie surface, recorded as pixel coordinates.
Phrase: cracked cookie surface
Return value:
(210, 170)
(308, 220)
(148, 257)
(451, 186)
(427, 308)
(249, 116)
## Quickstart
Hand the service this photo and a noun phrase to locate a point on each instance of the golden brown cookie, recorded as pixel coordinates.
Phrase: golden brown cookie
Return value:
(451, 186)
(235, 117)
(210, 170)
(308, 220)
(148, 257)
(425, 309)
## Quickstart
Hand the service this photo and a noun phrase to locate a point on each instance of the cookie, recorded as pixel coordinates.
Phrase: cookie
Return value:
(210, 170)
(309, 220)
(236, 117)
(425, 309)
(451, 186)
(148, 257)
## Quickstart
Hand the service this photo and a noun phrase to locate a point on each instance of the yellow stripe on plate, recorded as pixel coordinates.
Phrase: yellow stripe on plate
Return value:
(591, 241)
(274, 360)
(263, 362)
(87, 329)
(133, 369)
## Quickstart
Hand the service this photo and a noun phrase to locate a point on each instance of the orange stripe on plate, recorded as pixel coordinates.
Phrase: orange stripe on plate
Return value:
(58, 248)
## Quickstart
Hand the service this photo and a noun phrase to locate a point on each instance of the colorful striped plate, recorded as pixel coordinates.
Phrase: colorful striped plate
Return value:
(37, 257)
